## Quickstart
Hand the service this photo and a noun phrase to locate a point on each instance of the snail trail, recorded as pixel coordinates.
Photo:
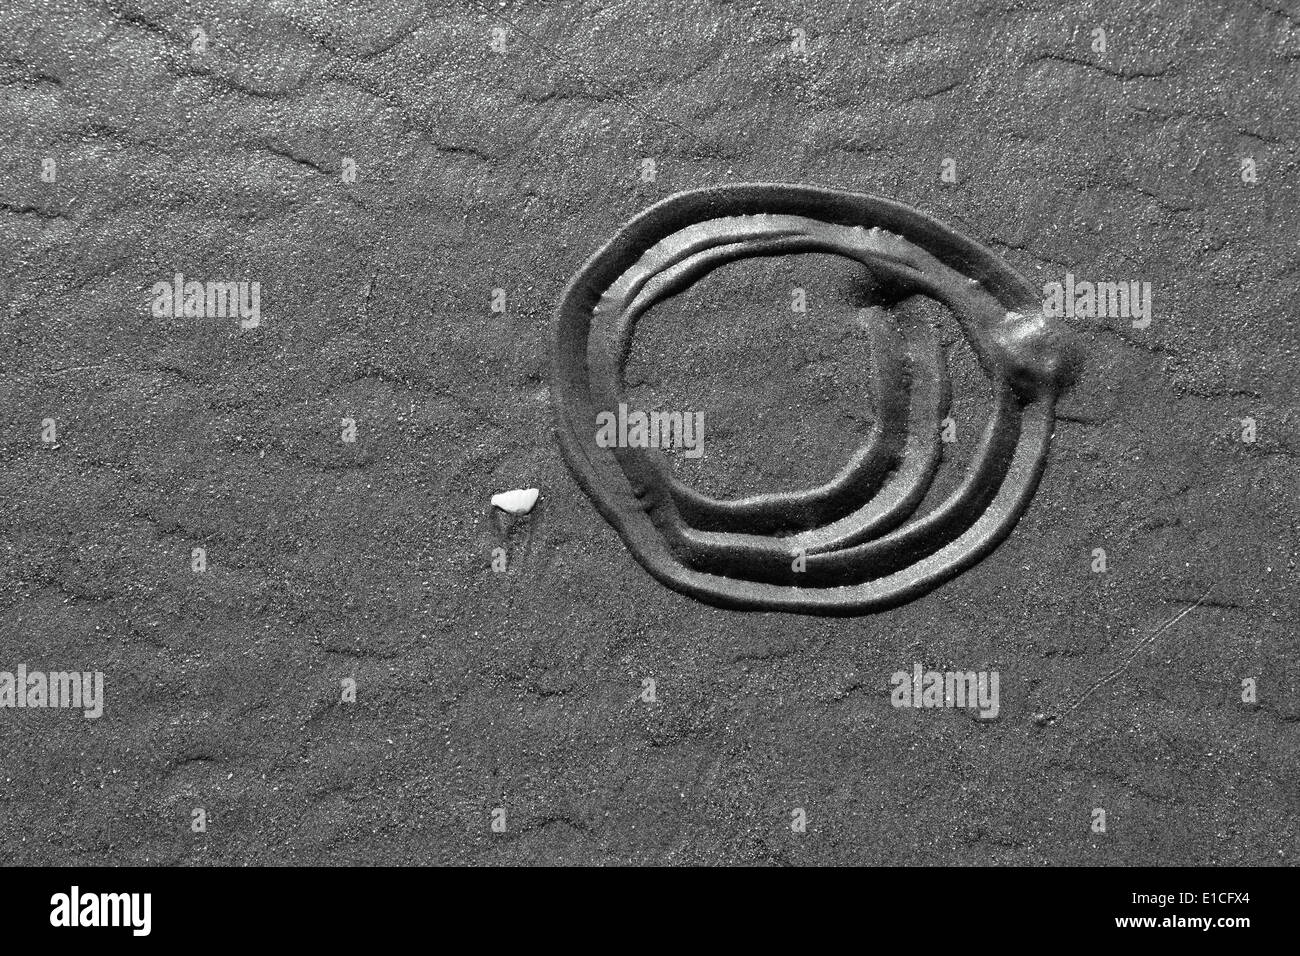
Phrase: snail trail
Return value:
(852, 545)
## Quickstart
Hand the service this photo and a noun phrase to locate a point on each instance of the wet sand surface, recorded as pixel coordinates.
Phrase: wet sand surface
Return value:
(229, 155)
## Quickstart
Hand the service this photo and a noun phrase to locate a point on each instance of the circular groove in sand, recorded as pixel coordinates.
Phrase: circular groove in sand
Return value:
(860, 552)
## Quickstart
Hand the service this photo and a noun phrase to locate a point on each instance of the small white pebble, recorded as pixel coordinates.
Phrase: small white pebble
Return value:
(517, 502)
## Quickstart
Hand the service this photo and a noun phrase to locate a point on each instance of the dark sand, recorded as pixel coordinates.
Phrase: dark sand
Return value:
(476, 690)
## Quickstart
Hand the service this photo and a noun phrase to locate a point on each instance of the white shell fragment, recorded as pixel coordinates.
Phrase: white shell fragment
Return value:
(517, 502)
